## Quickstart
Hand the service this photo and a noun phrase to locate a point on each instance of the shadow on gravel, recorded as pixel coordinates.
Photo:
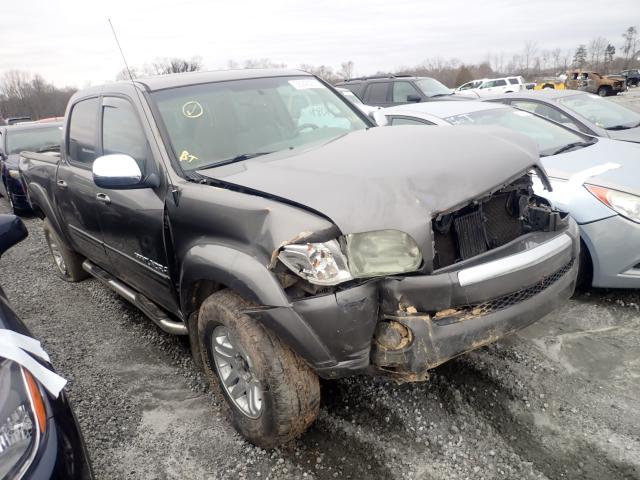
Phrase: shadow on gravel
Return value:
(556, 457)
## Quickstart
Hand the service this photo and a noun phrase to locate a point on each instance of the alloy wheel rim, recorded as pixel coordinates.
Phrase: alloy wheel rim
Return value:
(57, 256)
(234, 370)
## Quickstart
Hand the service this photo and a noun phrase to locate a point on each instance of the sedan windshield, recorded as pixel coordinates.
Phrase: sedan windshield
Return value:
(551, 138)
(34, 139)
(432, 87)
(602, 112)
(216, 123)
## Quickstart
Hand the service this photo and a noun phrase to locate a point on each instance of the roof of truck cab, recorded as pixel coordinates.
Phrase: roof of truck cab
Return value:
(161, 82)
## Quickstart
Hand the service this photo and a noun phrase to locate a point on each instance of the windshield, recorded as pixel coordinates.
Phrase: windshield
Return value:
(431, 87)
(549, 136)
(33, 140)
(602, 112)
(220, 122)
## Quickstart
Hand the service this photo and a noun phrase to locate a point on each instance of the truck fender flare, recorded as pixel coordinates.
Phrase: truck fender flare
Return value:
(232, 268)
(38, 198)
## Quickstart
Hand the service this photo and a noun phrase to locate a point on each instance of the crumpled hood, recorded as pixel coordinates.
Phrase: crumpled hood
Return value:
(597, 165)
(389, 178)
(629, 135)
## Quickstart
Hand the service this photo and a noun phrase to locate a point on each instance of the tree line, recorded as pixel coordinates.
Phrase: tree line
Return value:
(24, 94)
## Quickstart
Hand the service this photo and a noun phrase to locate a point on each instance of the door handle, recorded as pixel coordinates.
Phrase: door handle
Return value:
(103, 197)
(62, 184)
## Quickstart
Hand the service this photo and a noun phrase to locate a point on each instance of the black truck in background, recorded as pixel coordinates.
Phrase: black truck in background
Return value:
(262, 215)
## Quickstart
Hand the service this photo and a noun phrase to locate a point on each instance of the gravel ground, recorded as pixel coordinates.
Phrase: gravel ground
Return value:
(560, 400)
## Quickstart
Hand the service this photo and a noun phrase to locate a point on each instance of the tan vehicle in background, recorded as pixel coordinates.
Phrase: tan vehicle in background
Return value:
(592, 82)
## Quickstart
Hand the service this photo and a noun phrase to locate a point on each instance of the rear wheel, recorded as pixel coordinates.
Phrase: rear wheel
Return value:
(68, 263)
(272, 394)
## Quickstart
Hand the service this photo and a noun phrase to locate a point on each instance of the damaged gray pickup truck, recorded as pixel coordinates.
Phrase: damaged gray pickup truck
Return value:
(260, 214)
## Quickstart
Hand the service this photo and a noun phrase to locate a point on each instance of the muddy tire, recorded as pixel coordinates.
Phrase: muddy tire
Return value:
(604, 91)
(272, 394)
(67, 262)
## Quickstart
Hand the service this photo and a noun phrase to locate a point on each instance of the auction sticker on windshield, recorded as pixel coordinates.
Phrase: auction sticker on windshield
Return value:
(303, 84)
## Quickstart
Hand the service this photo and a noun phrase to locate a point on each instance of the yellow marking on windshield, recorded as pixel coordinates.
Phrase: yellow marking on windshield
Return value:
(185, 156)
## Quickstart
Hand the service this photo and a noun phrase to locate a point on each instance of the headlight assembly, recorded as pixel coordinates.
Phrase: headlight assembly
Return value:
(623, 203)
(22, 419)
(318, 263)
(370, 254)
(383, 252)
(14, 173)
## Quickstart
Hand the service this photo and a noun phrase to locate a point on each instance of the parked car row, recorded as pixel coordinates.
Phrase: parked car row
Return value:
(266, 216)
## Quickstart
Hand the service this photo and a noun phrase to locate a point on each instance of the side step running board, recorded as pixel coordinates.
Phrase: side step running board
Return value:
(149, 308)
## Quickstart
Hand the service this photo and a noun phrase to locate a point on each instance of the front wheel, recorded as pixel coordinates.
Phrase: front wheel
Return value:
(603, 91)
(273, 395)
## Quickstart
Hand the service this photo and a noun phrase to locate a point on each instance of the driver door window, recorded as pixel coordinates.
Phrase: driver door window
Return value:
(122, 132)
(402, 90)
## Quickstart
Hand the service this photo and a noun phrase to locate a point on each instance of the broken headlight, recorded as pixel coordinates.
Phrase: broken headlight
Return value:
(22, 419)
(318, 263)
(383, 252)
(370, 254)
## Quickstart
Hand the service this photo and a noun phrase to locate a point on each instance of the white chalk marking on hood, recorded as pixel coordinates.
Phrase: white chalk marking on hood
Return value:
(566, 190)
(17, 347)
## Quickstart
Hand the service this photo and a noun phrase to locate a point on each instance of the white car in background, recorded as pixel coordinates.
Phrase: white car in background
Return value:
(492, 86)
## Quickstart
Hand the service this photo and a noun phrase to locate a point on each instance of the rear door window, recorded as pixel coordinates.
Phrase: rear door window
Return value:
(500, 83)
(83, 132)
(546, 111)
(377, 93)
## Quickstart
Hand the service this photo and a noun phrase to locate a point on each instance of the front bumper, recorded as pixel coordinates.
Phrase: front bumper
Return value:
(403, 326)
(614, 246)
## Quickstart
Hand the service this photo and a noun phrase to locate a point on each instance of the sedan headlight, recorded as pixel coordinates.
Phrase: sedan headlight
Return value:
(370, 254)
(623, 203)
(13, 173)
(22, 419)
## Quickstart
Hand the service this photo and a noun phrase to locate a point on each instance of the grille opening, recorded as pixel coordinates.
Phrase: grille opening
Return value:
(489, 223)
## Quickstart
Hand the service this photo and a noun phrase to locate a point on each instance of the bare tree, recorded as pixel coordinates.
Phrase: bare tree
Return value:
(346, 70)
(597, 48)
(529, 52)
(24, 94)
(263, 63)
(556, 59)
(165, 66)
(630, 44)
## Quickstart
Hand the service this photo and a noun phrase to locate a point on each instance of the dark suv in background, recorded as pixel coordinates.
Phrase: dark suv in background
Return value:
(390, 90)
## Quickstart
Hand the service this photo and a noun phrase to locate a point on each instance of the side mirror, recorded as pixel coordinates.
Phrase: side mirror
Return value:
(12, 231)
(117, 171)
(379, 118)
(414, 98)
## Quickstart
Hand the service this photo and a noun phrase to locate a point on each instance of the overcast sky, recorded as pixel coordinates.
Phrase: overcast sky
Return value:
(70, 43)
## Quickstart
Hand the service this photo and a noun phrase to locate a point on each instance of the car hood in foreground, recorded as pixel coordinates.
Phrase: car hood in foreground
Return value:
(388, 178)
(607, 163)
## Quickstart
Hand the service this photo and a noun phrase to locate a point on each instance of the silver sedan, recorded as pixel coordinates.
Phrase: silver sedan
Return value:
(581, 111)
(597, 180)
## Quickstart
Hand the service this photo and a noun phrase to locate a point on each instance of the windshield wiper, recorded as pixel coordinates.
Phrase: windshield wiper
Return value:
(237, 158)
(623, 127)
(570, 146)
(49, 148)
(441, 95)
